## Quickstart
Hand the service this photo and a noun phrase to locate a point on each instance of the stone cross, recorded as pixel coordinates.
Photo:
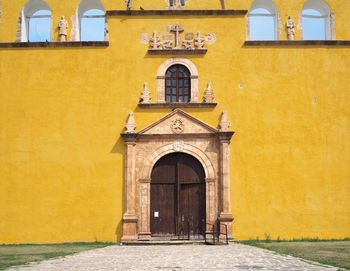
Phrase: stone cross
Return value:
(177, 29)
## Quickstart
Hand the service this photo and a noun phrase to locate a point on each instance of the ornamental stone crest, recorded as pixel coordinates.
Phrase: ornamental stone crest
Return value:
(177, 38)
(177, 126)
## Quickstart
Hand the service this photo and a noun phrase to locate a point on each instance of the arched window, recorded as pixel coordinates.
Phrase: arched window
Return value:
(177, 84)
(91, 21)
(316, 20)
(262, 24)
(36, 22)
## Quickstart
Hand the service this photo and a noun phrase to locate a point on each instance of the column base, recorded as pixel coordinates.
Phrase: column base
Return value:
(227, 219)
(129, 227)
(145, 236)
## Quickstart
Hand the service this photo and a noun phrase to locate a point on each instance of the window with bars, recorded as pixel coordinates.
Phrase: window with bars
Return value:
(177, 84)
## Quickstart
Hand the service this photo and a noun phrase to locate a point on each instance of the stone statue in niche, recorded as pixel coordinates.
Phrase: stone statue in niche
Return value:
(199, 41)
(224, 124)
(290, 28)
(208, 96)
(146, 94)
(128, 4)
(130, 124)
(155, 42)
(62, 29)
(188, 42)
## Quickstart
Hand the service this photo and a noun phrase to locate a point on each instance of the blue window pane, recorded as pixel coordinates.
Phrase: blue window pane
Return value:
(261, 28)
(92, 29)
(314, 28)
(40, 28)
(260, 11)
(312, 12)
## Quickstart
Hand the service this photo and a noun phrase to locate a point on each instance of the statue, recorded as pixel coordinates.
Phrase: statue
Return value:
(188, 41)
(199, 41)
(131, 124)
(290, 28)
(128, 4)
(154, 42)
(146, 94)
(62, 29)
(208, 96)
(224, 124)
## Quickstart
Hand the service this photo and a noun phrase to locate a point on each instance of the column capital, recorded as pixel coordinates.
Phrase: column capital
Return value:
(225, 137)
(129, 138)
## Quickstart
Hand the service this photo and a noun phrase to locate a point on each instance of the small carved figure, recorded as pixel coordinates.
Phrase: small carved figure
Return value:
(128, 4)
(224, 124)
(199, 41)
(146, 94)
(290, 28)
(208, 96)
(131, 124)
(62, 29)
(188, 42)
(168, 42)
(154, 42)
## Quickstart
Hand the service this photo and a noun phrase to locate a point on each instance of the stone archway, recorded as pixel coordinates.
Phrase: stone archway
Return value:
(208, 145)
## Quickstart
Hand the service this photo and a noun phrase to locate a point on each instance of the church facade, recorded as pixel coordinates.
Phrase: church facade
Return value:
(156, 120)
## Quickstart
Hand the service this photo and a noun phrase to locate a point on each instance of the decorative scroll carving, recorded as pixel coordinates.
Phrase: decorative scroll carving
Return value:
(188, 42)
(155, 41)
(208, 96)
(145, 95)
(177, 126)
(130, 124)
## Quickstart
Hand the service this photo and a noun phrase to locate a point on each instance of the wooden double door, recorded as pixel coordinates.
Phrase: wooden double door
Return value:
(178, 196)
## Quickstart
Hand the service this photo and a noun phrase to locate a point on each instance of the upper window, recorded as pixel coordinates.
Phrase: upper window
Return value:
(177, 84)
(36, 22)
(91, 21)
(262, 21)
(316, 20)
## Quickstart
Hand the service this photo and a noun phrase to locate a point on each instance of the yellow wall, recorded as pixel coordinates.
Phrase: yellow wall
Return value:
(62, 112)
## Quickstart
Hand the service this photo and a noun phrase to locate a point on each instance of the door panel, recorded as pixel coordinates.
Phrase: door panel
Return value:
(162, 209)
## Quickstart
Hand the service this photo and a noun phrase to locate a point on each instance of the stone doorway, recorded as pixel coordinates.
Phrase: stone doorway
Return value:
(177, 132)
(178, 197)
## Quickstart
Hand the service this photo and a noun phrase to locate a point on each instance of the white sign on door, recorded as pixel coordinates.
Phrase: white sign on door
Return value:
(156, 214)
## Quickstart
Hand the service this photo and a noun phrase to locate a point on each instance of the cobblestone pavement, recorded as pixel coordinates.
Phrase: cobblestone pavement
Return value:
(175, 258)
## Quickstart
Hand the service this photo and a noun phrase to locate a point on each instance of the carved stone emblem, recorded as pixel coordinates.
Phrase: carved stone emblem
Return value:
(177, 126)
(174, 39)
(178, 145)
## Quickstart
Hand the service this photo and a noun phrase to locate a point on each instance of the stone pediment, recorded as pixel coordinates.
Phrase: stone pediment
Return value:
(178, 122)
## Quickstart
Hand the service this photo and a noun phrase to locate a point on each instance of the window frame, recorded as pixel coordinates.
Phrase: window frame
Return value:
(179, 97)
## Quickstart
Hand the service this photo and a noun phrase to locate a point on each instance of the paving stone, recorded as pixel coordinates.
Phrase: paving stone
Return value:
(235, 257)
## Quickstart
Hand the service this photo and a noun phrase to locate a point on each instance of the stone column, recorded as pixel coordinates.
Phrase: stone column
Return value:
(130, 218)
(225, 216)
(210, 204)
(145, 203)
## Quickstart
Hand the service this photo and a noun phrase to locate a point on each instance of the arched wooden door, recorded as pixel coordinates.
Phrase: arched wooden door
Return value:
(178, 196)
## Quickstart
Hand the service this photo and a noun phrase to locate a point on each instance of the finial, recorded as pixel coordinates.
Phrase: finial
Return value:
(146, 94)
(224, 124)
(131, 124)
(209, 96)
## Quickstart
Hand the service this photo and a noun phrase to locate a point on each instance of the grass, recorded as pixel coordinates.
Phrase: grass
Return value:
(13, 255)
(335, 253)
